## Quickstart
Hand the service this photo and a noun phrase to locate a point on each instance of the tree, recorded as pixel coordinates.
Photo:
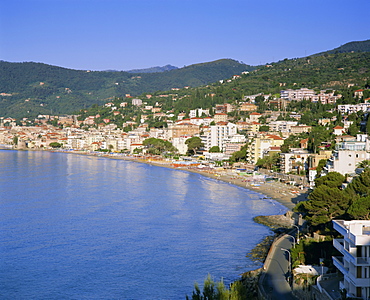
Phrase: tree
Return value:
(353, 129)
(332, 179)
(158, 146)
(55, 145)
(239, 155)
(360, 208)
(215, 149)
(194, 143)
(265, 128)
(360, 185)
(320, 166)
(269, 161)
(368, 125)
(325, 203)
(217, 291)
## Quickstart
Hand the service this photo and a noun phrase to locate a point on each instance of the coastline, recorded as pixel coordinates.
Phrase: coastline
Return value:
(284, 194)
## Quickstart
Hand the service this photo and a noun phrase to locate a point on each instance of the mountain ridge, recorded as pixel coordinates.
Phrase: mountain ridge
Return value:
(38, 88)
(31, 88)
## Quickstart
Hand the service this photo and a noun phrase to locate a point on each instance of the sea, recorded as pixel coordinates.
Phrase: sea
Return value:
(84, 227)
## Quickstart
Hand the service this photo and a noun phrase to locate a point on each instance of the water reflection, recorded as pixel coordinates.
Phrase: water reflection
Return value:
(90, 227)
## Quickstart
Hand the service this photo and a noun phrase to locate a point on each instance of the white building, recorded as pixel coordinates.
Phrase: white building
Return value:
(198, 112)
(294, 161)
(282, 126)
(179, 143)
(353, 108)
(137, 102)
(297, 95)
(355, 262)
(347, 155)
(218, 135)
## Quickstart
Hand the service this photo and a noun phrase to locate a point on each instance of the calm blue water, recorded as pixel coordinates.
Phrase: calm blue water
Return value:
(78, 227)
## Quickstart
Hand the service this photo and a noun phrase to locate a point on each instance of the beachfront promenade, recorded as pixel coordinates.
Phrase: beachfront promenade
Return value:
(277, 270)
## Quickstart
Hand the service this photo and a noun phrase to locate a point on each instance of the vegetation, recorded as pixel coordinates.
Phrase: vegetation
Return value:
(329, 201)
(269, 162)
(218, 291)
(308, 252)
(363, 46)
(54, 90)
(43, 89)
(158, 146)
(194, 144)
(215, 149)
(55, 145)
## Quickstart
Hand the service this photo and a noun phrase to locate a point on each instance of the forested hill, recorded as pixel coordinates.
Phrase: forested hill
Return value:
(154, 69)
(29, 89)
(362, 46)
(327, 72)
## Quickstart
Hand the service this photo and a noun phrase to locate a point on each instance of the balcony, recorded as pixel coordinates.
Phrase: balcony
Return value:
(340, 227)
(339, 245)
(362, 261)
(339, 264)
(357, 282)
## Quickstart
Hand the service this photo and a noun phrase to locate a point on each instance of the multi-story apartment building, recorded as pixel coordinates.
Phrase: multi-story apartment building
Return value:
(259, 144)
(282, 126)
(300, 129)
(137, 102)
(353, 108)
(354, 263)
(179, 144)
(235, 143)
(347, 155)
(223, 108)
(221, 117)
(294, 161)
(297, 95)
(198, 112)
(245, 106)
(182, 128)
(218, 135)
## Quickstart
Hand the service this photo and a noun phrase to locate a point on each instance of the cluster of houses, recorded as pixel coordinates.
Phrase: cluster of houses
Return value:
(213, 128)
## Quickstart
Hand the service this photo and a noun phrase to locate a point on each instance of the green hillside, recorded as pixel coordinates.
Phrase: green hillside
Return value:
(362, 46)
(329, 71)
(38, 88)
(28, 89)
(343, 72)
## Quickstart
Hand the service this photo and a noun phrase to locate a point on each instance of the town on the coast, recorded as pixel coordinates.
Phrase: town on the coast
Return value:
(309, 147)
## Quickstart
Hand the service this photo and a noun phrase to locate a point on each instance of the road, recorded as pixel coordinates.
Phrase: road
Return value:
(277, 271)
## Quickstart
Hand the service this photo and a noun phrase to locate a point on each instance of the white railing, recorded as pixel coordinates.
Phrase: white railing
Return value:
(338, 263)
(339, 245)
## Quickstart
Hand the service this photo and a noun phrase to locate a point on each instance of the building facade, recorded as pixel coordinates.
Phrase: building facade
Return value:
(354, 263)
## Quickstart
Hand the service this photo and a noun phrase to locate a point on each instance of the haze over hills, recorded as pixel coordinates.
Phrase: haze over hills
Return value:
(29, 89)
(154, 69)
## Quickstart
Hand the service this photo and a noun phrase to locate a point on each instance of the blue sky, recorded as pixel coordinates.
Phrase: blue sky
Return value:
(130, 34)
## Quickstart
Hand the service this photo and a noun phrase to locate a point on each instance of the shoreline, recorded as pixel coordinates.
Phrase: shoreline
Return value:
(286, 195)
